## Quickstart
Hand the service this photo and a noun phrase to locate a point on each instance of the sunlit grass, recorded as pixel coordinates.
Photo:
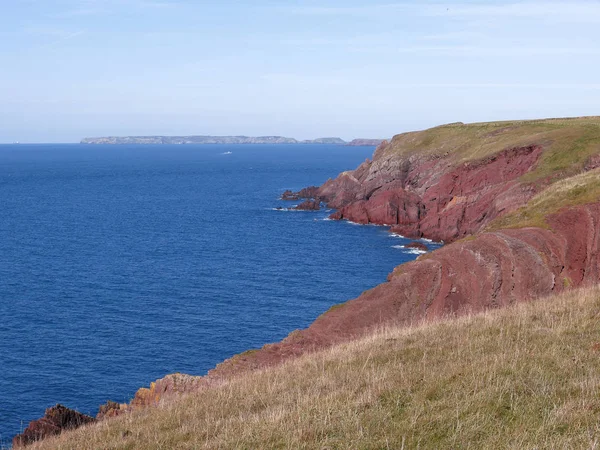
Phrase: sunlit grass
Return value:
(567, 142)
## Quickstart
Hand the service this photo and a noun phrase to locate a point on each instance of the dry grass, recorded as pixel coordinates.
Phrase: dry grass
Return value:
(577, 190)
(567, 142)
(522, 377)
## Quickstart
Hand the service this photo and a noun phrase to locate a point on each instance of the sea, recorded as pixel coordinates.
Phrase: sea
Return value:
(121, 264)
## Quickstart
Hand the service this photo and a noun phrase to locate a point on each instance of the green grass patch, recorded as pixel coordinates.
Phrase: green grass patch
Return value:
(567, 142)
(577, 190)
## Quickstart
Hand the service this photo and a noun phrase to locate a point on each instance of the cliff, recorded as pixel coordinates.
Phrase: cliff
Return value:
(517, 203)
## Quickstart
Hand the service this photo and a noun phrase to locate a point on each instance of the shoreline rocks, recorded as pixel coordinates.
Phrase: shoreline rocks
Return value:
(55, 421)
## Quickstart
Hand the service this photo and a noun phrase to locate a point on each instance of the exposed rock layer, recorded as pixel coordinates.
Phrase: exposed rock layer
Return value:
(55, 420)
(493, 270)
(428, 197)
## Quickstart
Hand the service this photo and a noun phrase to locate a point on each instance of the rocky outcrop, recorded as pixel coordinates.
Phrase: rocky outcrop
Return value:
(308, 205)
(175, 383)
(55, 420)
(417, 246)
(427, 197)
(311, 192)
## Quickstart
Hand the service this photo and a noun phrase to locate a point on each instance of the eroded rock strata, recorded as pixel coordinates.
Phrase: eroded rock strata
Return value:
(428, 197)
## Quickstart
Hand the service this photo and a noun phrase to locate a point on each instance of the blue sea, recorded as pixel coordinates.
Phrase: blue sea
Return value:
(121, 264)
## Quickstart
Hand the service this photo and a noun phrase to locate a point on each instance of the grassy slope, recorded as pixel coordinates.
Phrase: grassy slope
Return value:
(567, 142)
(576, 190)
(523, 377)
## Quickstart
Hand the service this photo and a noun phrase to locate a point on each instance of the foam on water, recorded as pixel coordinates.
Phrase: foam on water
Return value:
(412, 251)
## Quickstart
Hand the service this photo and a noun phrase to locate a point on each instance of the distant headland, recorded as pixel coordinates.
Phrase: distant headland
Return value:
(225, 140)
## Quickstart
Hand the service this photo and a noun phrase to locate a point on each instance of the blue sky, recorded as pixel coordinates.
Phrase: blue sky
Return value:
(76, 68)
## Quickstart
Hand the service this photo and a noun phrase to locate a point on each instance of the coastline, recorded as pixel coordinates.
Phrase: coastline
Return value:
(474, 206)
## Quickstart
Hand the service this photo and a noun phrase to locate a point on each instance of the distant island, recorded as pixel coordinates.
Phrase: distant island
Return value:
(225, 140)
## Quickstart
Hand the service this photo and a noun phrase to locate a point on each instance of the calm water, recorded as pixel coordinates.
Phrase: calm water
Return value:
(120, 264)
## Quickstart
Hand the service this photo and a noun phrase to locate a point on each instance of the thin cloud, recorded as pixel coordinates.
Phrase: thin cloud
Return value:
(576, 11)
(64, 38)
(569, 86)
(102, 7)
(496, 51)
(340, 80)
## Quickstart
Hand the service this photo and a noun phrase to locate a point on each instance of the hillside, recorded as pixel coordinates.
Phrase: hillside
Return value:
(521, 377)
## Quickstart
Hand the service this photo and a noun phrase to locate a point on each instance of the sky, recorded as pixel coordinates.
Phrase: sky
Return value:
(76, 68)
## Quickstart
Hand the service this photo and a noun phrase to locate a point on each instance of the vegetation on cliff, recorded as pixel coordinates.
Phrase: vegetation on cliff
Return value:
(521, 377)
(576, 190)
(568, 142)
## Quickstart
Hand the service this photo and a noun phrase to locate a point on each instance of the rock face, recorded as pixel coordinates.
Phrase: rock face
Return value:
(55, 420)
(493, 270)
(309, 205)
(428, 197)
(171, 384)
(417, 246)
(310, 192)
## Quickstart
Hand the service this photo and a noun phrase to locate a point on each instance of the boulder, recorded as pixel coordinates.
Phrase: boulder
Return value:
(309, 205)
(55, 420)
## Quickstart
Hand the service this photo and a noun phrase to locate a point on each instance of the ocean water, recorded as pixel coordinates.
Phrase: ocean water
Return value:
(121, 264)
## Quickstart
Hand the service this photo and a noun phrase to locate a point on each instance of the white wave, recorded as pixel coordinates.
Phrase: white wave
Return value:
(415, 251)
(290, 210)
(412, 251)
(226, 153)
(284, 209)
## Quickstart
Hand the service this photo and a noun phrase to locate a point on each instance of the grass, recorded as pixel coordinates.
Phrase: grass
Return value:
(567, 142)
(527, 376)
(577, 190)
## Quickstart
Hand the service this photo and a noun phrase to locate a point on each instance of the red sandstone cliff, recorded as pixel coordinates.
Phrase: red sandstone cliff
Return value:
(439, 196)
(429, 196)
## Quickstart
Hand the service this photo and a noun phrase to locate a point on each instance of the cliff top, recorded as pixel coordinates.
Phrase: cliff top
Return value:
(567, 143)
